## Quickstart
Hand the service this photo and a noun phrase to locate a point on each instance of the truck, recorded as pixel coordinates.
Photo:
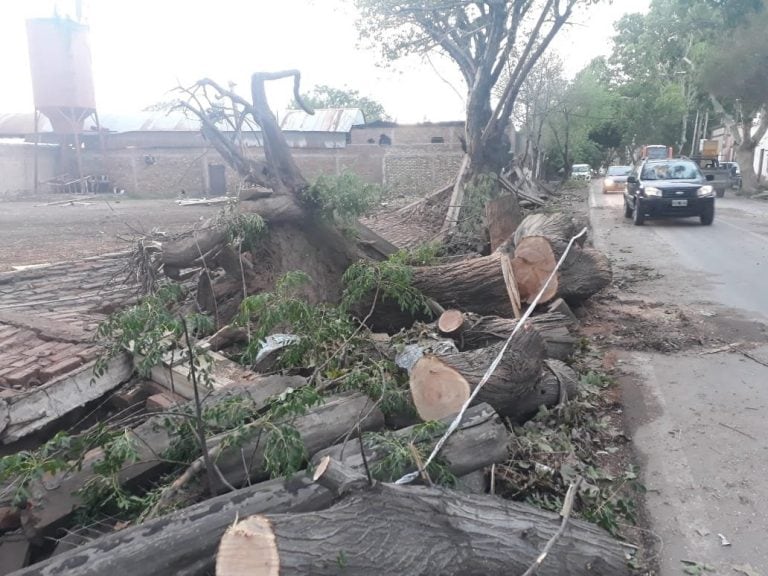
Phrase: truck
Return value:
(721, 175)
(656, 152)
(709, 163)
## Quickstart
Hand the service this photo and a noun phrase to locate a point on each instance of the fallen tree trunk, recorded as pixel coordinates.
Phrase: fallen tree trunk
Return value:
(557, 384)
(539, 243)
(480, 331)
(415, 530)
(478, 285)
(339, 417)
(55, 498)
(555, 226)
(480, 440)
(184, 542)
(475, 285)
(502, 217)
(440, 385)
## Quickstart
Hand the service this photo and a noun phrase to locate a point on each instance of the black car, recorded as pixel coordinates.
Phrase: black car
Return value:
(669, 188)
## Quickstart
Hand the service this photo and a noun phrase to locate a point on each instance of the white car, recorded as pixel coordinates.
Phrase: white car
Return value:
(581, 172)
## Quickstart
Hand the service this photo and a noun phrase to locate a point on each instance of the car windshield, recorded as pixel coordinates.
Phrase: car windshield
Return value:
(670, 171)
(581, 168)
(619, 170)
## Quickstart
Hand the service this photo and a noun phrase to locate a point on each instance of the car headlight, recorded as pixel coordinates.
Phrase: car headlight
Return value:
(609, 181)
(651, 191)
(705, 192)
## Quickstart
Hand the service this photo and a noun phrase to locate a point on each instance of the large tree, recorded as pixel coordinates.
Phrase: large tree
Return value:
(736, 75)
(494, 44)
(324, 96)
(669, 62)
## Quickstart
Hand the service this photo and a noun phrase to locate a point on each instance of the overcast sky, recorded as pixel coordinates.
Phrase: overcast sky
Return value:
(142, 48)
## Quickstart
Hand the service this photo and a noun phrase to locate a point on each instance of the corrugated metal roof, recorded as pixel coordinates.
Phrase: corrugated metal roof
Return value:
(21, 124)
(149, 122)
(323, 120)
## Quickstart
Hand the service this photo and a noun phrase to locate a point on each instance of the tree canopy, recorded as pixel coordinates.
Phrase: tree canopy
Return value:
(493, 43)
(324, 96)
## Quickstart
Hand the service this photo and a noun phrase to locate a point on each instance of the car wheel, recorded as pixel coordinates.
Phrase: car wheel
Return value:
(627, 209)
(708, 216)
(720, 193)
(637, 214)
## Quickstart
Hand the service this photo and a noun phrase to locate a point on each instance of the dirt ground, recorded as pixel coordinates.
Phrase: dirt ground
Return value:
(32, 232)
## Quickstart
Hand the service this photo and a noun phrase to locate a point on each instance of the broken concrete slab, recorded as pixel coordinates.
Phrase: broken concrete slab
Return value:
(29, 412)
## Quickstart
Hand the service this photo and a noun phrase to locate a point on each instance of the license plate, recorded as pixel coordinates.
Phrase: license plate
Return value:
(679, 202)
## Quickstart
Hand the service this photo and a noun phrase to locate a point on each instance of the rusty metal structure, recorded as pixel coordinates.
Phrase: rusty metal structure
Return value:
(62, 84)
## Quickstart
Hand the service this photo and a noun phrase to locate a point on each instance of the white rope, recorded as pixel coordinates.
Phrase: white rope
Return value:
(408, 478)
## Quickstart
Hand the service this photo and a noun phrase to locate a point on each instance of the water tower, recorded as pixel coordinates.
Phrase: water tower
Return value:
(62, 84)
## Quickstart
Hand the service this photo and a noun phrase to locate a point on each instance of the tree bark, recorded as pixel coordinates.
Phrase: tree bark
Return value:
(339, 417)
(418, 531)
(557, 383)
(481, 331)
(441, 384)
(56, 498)
(502, 216)
(475, 285)
(480, 440)
(184, 542)
(555, 227)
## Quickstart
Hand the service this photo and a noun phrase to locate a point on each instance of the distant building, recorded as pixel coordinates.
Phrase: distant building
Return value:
(158, 154)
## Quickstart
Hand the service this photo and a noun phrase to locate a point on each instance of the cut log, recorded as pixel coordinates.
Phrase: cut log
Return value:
(480, 331)
(558, 382)
(584, 273)
(184, 542)
(480, 440)
(561, 307)
(478, 285)
(441, 384)
(532, 265)
(419, 531)
(340, 417)
(475, 285)
(555, 226)
(56, 497)
(25, 414)
(502, 217)
(450, 322)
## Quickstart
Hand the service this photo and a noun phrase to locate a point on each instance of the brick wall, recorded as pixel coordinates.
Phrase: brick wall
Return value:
(17, 167)
(408, 134)
(164, 172)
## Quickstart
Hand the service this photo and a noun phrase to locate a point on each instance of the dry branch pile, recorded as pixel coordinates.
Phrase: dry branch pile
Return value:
(363, 407)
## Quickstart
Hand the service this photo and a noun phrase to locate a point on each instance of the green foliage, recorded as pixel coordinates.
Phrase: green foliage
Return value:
(20, 469)
(477, 193)
(389, 280)
(324, 96)
(345, 197)
(558, 446)
(151, 328)
(245, 230)
(399, 450)
(321, 329)
(737, 68)
(380, 380)
(329, 338)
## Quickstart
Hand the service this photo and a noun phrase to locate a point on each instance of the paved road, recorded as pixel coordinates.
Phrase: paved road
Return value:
(700, 422)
